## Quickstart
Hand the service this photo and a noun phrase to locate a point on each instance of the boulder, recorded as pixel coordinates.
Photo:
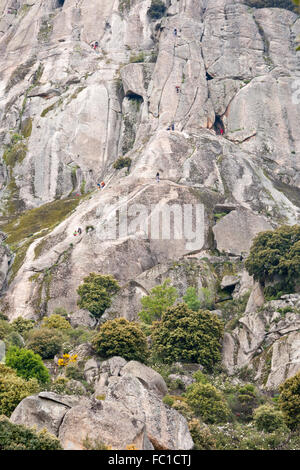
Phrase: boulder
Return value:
(91, 371)
(151, 379)
(256, 298)
(40, 412)
(235, 231)
(165, 427)
(229, 281)
(83, 318)
(113, 366)
(110, 423)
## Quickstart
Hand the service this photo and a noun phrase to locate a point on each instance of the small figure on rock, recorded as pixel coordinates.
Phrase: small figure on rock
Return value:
(79, 231)
(177, 88)
(75, 233)
(157, 177)
(221, 131)
(172, 126)
(175, 32)
(102, 184)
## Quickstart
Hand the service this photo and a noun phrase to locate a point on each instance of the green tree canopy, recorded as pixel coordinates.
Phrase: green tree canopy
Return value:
(160, 298)
(187, 336)
(121, 337)
(18, 437)
(27, 364)
(13, 389)
(96, 293)
(207, 402)
(289, 401)
(275, 252)
(203, 298)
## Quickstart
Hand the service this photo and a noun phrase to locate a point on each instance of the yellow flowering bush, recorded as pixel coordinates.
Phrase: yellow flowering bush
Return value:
(67, 359)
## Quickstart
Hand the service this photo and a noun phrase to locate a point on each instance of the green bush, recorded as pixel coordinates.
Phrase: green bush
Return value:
(202, 299)
(168, 400)
(207, 402)
(276, 253)
(60, 311)
(202, 437)
(5, 329)
(22, 325)
(121, 337)
(96, 292)
(45, 342)
(56, 321)
(18, 437)
(157, 9)
(160, 298)
(14, 339)
(13, 389)
(243, 400)
(285, 4)
(74, 372)
(289, 401)
(267, 418)
(27, 364)
(122, 162)
(187, 336)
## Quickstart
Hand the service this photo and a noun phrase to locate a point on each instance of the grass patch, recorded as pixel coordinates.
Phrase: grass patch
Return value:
(34, 224)
(35, 220)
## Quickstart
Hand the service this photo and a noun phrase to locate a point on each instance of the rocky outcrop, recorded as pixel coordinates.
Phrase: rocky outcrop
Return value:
(76, 109)
(266, 342)
(45, 410)
(150, 379)
(234, 232)
(69, 110)
(132, 399)
(166, 428)
(105, 422)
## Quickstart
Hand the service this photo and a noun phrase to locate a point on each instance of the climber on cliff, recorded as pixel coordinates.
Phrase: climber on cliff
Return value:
(175, 32)
(157, 177)
(177, 88)
(221, 131)
(102, 184)
(79, 231)
(172, 126)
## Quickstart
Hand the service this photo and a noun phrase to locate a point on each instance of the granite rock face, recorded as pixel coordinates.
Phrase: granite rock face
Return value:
(77, 109)
(68, 111)
(266, 342)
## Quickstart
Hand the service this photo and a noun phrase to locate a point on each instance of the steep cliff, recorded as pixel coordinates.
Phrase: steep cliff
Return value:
(223, 73)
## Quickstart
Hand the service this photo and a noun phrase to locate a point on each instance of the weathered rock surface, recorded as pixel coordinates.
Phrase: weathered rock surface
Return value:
(267, 342)
(130, 412)
(235, 232)
(165, 427)
(68, 111)
(45, 410)
(80, 108)
(151, 379)
(110, 423)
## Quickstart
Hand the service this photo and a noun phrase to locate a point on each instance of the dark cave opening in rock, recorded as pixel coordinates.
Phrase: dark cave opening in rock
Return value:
(208, 77)
(219, 126)
(60, 3)
(134, 97)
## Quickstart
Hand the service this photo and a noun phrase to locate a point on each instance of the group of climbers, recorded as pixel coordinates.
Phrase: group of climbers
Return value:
(95, 45)
(101, 185)
(77, 232)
